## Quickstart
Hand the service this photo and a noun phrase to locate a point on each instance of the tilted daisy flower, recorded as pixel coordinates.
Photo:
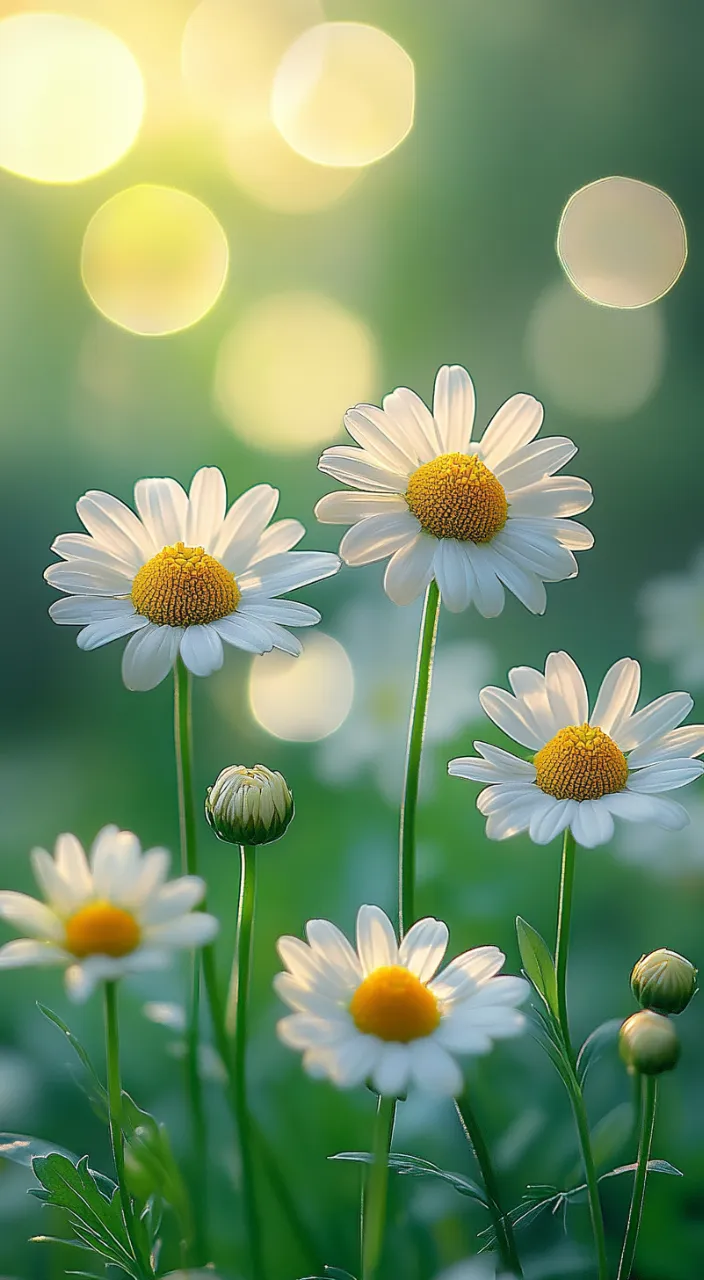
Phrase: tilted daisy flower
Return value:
(586, 769)
(477, 516)
(380, 1014)
(184, 575)
(106, 918)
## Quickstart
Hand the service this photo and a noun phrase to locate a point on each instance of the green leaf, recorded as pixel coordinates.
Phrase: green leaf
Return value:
(538, 964)
(152, 1166)
(21, 1148)
(95, 1217)
(413, 1166)
(96, 1090)
(654, 1166)
(595, 1044)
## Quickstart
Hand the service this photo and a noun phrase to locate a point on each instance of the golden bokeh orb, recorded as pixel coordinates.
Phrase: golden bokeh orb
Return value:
(154, 259)
(344, 94)
(291, 367)
(622, 242)
(302, 699)
(71, 97)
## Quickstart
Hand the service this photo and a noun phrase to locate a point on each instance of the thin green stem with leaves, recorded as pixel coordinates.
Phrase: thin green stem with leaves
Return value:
(236, 1026)
(649, 1097)
(376, 1190)
(189, 866)
(564, 916)
(505, 1238)
(585, 1145)
(414, 750)
(112, 1055)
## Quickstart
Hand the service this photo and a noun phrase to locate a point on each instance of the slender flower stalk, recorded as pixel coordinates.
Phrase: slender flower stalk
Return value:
(505, 1239)
(189, 866)
(648, 1090)
(595, 1212)
(236, 1026)
(564, 916)
(416, 731)
(112, 1053)
(376, 1190)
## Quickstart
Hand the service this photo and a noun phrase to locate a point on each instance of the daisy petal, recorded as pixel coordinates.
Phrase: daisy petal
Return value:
(149, 656)
(618, 696)
(163, 507)
(244, 631)
(634, 806)
(115, 527)
(653, 721)
(195, 930)
(347, 508)
(207, 500)
(392, 1071)
(515, 424)
(73, 611)
(552, 496)
(547, 823)
(416, 422)
(96, 634)
(668, 775)
(488, 592)
(22, 953)
(72, 865)
(376, 940)
(477, 770)
(410, 570)
(376, 537)
(533, 462)
(680, 744)
(453, 407)
(566, 690)
(358, 468)
(201, 650)
(331, 945)
(287, 572)
(244, 529)
(380, 438)
(434, 1070)
(522, 583)
(33, 917)
(454, 575)
(279, 537)
(173, 900)
(423, 948)
(508, 713)
(592, 824)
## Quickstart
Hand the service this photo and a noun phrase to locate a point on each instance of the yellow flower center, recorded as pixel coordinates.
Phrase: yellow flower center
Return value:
(394, 1005)
(581, 763)
(184, 586)
(101, 929)
(456, 496)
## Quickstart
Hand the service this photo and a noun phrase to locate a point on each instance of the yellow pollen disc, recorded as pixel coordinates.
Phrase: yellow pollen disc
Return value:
(456, 496)
(101, 929)
(394, 1005)
(581, 763)
(183, 587)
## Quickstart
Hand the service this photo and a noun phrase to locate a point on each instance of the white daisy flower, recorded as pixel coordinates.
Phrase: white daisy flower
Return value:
(379, 1014)
(107, 918)
(673, 610)
(586, 770)
(475, 515)
(184, 575)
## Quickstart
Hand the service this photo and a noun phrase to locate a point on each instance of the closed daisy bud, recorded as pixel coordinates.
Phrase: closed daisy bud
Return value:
(249, 806)
(648, 1043)
(664, 981)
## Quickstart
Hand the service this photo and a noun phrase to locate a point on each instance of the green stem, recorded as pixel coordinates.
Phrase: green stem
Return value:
(564, 915)
(635, 1213)
(505, 1239)
(376, 1190)
(414, 749)
(112, 1054)
(595, 1213)
(236, 1026)
(189, 866)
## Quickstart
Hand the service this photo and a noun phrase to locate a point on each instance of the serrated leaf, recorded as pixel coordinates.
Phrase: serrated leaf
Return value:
(538, 964)
(22, 1148)
(413, 1166)
(595, 1044)
(94, 1217)
(96, 1093)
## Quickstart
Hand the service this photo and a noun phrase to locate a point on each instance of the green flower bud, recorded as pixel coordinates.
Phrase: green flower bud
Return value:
(664, 981)
(648, 1043)
(249, 806)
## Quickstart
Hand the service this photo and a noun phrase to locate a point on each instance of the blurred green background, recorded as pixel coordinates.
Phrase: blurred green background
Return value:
(441, 252)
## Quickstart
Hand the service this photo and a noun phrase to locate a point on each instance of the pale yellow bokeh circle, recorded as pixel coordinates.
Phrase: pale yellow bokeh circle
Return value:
(71, 97)
(289, 370)
(276, 176)
(154, 259)
(622, 242)
(344, 94)
(594, 361)
(302, 699)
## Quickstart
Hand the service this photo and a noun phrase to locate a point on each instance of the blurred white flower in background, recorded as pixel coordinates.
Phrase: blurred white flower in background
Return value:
(481, 1268)
(673, 610)
(381, 643)
(669, 854)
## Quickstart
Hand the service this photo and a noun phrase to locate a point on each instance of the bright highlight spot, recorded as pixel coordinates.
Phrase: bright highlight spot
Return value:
(71, 97)
(288, 371)
(344, 94)
(302, 699)
(622, 242)
(268, 170)
(594, 361)
(154, 259)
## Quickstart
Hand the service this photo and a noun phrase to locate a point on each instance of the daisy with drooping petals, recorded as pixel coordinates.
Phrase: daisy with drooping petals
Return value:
(587, 769)
(184, 575)
(106, 918)
(477, 516)
(380, 1014)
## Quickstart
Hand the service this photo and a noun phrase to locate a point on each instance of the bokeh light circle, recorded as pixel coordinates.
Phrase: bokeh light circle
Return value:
(71, 97)
(344, 94)
(290, 368)
(594, 361)
(270, 172)
(302, 699)
(622, 242)
(154, 259)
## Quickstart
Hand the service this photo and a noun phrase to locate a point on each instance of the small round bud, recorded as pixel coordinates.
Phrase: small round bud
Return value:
(648, 1043)
(249, 806)
(664, 981)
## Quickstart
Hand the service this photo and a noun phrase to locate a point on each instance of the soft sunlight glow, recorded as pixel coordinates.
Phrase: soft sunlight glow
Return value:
(594, 361)
(622, 242)
(288, 371)
(344, 94)
(302, 699)
(268, 170)
(71, 97)
(154, 259)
